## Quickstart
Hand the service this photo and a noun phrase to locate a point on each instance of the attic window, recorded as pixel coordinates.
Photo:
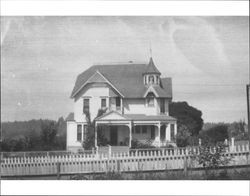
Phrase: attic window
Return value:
(150, 101)
(151, 79)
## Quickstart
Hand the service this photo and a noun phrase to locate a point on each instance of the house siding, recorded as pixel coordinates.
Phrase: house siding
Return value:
(138, 106)
(72, 143)
(94, 93)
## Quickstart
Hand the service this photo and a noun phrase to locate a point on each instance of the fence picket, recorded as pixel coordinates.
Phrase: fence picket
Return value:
(139, 159)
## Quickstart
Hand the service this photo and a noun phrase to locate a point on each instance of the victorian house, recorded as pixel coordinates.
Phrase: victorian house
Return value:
(134, 99)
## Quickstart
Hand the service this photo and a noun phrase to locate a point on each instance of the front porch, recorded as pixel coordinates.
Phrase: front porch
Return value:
(123, 130)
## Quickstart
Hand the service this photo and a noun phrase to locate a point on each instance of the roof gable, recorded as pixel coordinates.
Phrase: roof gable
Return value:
(112, 115)
(151, 89)
(97, 77)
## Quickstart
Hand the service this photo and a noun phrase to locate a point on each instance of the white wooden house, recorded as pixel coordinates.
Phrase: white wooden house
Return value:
(135, 99)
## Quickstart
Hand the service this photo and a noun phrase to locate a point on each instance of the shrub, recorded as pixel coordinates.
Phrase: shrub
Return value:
(135, 144)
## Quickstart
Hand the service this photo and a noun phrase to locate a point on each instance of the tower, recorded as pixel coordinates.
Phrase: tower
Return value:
(152, 75)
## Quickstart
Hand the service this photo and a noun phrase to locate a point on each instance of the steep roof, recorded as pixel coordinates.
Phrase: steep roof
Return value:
(70, 117)
(151, 68)
(126, 78)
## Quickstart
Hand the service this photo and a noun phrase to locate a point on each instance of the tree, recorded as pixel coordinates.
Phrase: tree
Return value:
(182, 136)
(189, 123)
(187, 115)
(89, 141)
(237, 130)
(215, 134)
(48, 134)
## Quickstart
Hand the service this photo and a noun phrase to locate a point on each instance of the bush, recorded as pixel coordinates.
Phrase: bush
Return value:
(215, 134)
(135, 144)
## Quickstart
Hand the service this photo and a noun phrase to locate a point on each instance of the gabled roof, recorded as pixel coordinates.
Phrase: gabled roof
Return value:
(114, 115)
(151, 68)
(142, 117)
(70, 117)
(157, 90)
(126, 78)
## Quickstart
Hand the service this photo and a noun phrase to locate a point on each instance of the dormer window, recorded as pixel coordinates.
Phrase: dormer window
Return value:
(151, 79)
(150, 102)
(150, 99)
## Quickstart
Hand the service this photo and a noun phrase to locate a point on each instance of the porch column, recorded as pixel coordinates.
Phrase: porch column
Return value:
(96, 135)
(130, 134)
(158, 138)
(175, 129)
(168, 132)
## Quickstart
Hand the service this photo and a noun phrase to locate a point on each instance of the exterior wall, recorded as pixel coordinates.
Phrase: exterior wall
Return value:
(123, 133)
(94, 93)
(142, 137)
(72, 143)
(138, 106)
(167, 101)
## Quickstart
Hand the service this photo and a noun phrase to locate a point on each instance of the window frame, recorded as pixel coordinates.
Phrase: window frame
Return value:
(148, 102)
(79, 133)
(103, 99)
(137, 129)
(144, 129)
(84, 105)
(85, 126)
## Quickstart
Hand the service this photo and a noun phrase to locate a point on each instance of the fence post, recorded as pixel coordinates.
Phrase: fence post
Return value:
(185, 165)
(118, 166)
(199, 141)
(109, 151)
(58, 170)
(232, 144)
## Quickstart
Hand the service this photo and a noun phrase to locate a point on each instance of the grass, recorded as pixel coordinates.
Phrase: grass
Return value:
(220, 174)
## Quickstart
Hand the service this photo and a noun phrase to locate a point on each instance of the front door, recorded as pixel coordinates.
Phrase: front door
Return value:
(113, 135)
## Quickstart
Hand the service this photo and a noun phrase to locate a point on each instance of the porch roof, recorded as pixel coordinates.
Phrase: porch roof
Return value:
(115, 116)
(149, 117)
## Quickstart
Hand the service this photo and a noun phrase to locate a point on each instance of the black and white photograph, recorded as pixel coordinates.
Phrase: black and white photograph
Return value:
(125, 98)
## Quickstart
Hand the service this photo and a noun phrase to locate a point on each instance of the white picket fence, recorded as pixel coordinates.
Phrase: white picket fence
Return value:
(134, 160)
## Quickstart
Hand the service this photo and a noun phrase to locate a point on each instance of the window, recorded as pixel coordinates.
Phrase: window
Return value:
(118, 103)
(162, 106)
(137, 129)
(103, 103)
(79, 133)
(144, 129)
(85, 105)
(84, 132)
(151, 79)
(172, 132)
(150, 99)
(150, 102)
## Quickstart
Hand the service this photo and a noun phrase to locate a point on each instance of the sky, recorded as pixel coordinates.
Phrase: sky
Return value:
(206, 57)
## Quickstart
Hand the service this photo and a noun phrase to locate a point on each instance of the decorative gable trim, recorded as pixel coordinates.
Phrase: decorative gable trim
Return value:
(112, 115)
(102, 79)
(150, 89)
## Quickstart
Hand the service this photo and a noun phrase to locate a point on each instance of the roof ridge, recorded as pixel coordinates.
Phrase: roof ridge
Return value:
(118, 63)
